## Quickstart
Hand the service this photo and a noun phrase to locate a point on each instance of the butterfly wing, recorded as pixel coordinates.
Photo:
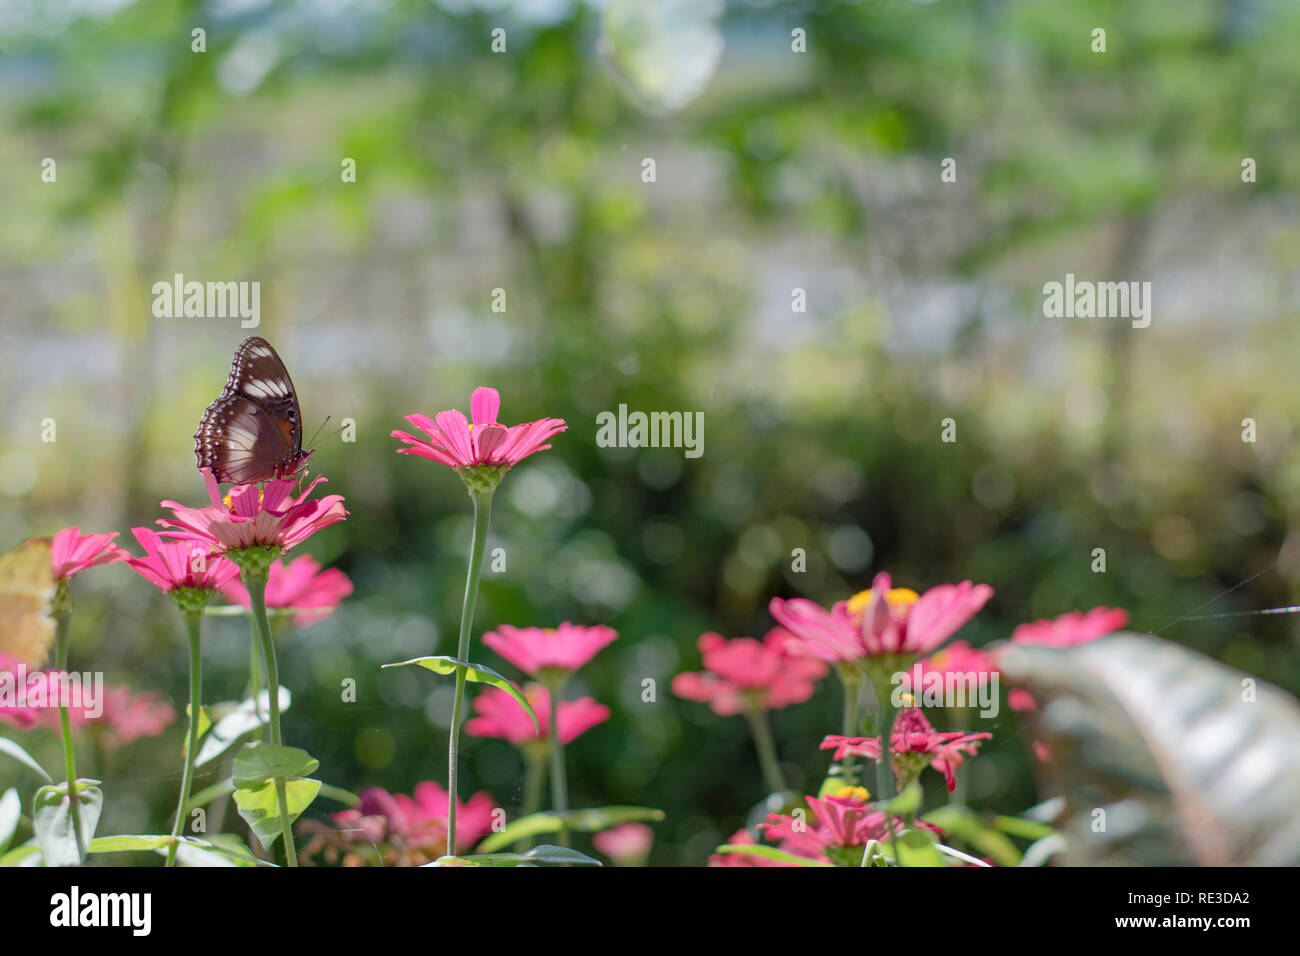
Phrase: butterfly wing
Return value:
(26, 590)
(253, 431)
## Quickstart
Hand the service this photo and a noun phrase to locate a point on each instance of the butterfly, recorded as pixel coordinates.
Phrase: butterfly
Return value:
(253, 431)
(26, 590)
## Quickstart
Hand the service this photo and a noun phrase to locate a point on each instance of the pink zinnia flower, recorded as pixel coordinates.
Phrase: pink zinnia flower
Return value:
(542, 652)
(458, 443)
(627, 843)
(414, 828)
(885, 621)
(743, 837)
(169, 565)
(13, 674)
(913, 737)
(838, 831)
(299, 584)
(72, 551)
(1065, 631)
(126, 716)
(957, 658)
(249, 516)
(1072, 628)
(501, 716)
(745, 674)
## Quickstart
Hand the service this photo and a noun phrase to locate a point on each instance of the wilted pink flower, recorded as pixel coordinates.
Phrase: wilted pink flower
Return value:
(170, 564)
(250, 516)
(72, 551)
(402, 830)
(838, 830)
(627, 843)
(501, 716)
(125, 716)
(745, 674)
(546, 652)
(1072, 628)
(913, 737)
(883, 621)
(299, 583)
(458, 443)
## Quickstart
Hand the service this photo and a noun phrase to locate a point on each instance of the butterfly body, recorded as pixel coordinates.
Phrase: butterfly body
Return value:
(253, 431)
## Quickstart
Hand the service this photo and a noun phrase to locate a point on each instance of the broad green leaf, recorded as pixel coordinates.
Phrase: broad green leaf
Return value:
(239, 719)
(589, 820)
(770, 853)
(545, 855)
(261, 811)
(11, 749)
(478, 673)
(917, 848)
(52, 820)
(975, 831)
(260, 761)
(11, 811)
(1196, 759)
(1020, 827)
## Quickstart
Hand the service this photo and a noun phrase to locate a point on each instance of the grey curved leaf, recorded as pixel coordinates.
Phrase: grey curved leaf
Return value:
(1188, 765)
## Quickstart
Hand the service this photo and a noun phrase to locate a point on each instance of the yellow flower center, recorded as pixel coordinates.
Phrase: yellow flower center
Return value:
(858, 794)
(230, 505)
(898, 597)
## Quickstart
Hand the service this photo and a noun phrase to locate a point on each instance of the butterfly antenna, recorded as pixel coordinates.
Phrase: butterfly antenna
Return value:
(312, 443)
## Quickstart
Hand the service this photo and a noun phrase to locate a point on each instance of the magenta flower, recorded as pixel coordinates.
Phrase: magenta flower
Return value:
(403, 830)
(627, 843)
(460, 444)
(1072, 628)
(169, 565)
(744, 674)
(72, 551)
(549, 654)
(249, 516)
(501, 716)
(125, 716)
(913, 743)
(838, 830)
(13, 676)
(885, 621)
(298, 584)
(743, 837)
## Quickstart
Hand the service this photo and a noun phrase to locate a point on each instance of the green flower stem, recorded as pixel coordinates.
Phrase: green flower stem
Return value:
(884, 769)
(766, 748)
(255, 674)
(482, 518)
(69, 750)
(256, 584)
(193, 624)
(851, 683)
(559, 784)
(534, 783)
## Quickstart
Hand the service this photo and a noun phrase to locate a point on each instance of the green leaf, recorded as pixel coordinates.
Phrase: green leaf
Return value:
(52, 820)
(973, 830)
(11, 811)
(261, 811)
(127, 843)
(238, 720)
(906, 803)
(25, 854)
(544, 855)
(478, 673)
(261, 761)
(918, 848)
(10, 748)
(770, 853)
(590, 820)
(1020, 827)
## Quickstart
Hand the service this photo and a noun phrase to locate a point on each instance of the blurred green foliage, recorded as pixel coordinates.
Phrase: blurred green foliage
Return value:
(522, 171)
